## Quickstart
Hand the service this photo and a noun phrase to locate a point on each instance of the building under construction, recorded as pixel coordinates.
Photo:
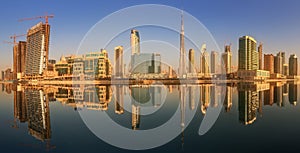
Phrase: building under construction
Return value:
(37, 50)
(19, 59)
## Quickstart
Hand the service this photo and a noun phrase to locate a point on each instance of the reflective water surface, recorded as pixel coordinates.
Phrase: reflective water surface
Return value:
(255, 116)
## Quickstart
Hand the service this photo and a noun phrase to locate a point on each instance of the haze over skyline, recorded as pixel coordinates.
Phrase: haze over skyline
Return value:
(274, 23)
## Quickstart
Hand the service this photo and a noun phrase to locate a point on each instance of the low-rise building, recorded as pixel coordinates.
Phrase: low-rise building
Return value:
(253, 74)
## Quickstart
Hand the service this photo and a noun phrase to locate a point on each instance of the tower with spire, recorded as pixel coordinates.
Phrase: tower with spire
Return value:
(182, 67)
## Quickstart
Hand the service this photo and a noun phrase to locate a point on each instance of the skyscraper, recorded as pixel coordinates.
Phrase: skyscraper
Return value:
(182, 68)
(248, 55)
(293, 65)
(191, 61)
(19, 59)
(278, 64)
(2, 75)
(135, 42)
(37, 49)
(260, 59)
(269, 63)
(214, 62)
(119, 61)
(205, 63)
(227, 59)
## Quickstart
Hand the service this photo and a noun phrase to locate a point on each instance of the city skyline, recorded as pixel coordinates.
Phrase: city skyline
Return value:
(271, 44)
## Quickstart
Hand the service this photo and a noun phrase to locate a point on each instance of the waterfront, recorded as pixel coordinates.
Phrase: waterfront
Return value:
(255, 116)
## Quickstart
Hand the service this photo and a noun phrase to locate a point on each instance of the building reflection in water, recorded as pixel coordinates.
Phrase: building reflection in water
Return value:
(278, 94)
(31, 104)
(38, 114)
(248, 101)
(143, 96)
(228, 99)
(204, 98)
(269, 95)
(119, 99)
(293, 93)
(192, 97)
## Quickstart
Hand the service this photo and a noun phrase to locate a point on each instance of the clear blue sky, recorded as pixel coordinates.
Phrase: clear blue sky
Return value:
(274, 22)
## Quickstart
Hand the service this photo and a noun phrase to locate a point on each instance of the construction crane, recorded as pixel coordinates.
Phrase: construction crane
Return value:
(46, 17)
(8, 42)
(14, 37)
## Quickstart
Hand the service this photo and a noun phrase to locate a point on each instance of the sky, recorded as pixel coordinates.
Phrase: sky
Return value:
(275, 23)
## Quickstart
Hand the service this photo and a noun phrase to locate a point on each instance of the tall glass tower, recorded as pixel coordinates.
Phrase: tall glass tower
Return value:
(248, 55)
(135, 42)
(182, 68)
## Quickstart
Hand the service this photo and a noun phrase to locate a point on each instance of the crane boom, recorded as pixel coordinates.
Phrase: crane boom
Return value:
(14, 37)
(46, 17)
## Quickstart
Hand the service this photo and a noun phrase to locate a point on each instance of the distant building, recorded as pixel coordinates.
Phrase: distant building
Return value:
(253, 74)
(293, 65)
(135, 42)
(227, 60)
(97, 65)
(8, 75)
(248, 55)
(214, 62)
(285, 69)
(119, 69)
(269, 63)
(146, 63)
(78, 66)
(51, 63)
(260, 58)
(278, 64)
(37, 49)
(205, 63)
(192, 68)
(19, 56)
(2, 75)
(62, 67)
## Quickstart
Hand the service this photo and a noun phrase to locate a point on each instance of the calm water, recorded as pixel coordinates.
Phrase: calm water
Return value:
(253, 118)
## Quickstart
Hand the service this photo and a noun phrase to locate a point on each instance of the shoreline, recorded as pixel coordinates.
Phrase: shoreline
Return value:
(144, 81)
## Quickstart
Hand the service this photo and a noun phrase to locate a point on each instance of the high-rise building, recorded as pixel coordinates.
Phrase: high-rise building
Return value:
(8, 75)
(135, 42)
(19, 59)
(260, 53)
(2, 75)
(278, 64)
(182, 67)
(269, 63)
(37, 49)
(293, 65)
(248, 55)
(214, 62)
(227, 60)
(205, 63)
(285, 69)
(119, 70)
(191, 61)
(282, 54)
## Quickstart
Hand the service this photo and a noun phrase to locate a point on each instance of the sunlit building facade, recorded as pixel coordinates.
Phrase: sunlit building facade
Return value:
(135, 42)
(37, 49)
